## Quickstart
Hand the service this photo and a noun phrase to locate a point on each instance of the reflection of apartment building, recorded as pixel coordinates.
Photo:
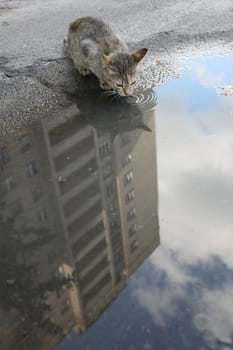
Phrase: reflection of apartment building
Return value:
(81, 169)
(107, 193)
(99, 197)
(136, 176)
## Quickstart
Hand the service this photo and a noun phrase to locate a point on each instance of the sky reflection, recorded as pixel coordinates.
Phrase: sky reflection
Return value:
(194, 265)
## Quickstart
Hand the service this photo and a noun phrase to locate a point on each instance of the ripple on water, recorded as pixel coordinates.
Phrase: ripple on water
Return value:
(146, 98)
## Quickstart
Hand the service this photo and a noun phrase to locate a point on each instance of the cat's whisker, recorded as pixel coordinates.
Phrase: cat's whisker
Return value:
(109, 92)
(116, 97)
(113, 97)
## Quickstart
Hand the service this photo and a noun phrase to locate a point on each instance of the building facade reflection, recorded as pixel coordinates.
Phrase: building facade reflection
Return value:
(83, 202)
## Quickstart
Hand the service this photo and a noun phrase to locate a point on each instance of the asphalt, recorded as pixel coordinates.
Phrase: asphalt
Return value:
(37, 79)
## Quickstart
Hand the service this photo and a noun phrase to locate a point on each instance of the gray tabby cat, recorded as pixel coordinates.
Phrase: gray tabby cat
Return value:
(94, 48)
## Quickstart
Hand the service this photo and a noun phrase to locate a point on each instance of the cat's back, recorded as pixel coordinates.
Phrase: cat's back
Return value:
(90, 27)
(94, 30)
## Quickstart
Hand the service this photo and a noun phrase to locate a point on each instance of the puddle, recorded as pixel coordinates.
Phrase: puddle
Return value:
(80, 241)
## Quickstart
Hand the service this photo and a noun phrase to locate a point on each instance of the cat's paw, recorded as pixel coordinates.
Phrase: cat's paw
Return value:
(84, 71)
(65, 45)
(65, 41)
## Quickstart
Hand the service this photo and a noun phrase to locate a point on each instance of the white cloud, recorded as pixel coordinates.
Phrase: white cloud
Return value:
(162, 303)
(195, 183)
(215, 310)
(211, 310)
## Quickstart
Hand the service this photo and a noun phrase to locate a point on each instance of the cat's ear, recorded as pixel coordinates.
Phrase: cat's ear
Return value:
(138, 55)
(144, 127)
(106, 59)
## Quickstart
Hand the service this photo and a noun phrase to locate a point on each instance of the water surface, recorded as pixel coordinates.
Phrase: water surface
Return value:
(84, 263)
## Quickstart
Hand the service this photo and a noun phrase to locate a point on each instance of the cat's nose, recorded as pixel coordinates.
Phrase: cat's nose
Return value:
(127, 91)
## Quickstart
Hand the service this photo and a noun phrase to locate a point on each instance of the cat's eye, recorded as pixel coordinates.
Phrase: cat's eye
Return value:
(119, 85)
(133, 82)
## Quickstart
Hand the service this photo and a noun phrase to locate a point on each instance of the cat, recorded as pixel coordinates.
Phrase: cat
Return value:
(107, 113)
(94, 48)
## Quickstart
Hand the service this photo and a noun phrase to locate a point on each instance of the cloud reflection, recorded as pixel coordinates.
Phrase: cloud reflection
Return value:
(195, 152)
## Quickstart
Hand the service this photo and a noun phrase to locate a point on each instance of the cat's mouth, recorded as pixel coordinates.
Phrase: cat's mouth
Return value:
(113, 92)
(115, 96)
(122, 92)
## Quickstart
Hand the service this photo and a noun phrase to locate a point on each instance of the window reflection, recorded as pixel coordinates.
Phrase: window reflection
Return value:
(8, 184)
(24, 143)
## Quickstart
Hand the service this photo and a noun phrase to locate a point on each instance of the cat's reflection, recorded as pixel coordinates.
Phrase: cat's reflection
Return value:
(108, 111)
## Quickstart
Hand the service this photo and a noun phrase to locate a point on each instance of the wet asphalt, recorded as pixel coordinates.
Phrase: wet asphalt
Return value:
(35, 76)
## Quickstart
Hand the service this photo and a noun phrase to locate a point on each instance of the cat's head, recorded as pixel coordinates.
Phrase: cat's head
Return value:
(119, 70)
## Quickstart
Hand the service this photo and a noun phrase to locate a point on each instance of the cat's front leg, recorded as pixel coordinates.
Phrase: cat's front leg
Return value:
(84, 71)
